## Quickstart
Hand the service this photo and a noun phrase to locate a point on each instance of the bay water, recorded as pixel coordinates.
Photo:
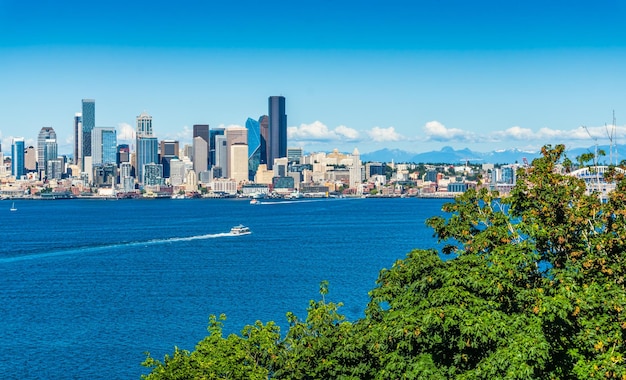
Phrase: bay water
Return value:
(88, 286)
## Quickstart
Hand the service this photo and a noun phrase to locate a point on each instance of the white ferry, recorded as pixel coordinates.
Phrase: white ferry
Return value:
(240, 230)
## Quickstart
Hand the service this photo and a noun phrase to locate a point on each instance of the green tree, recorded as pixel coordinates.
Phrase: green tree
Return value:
(535, 290)
(249, 356)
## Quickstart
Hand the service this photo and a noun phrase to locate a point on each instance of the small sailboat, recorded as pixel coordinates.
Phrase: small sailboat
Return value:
(13, 207)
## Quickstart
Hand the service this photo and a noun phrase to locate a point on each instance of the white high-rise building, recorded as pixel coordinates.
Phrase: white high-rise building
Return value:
(238, 163)
(177, 172)
(355, 172)
(235, 136)
(200, 155)
(221, 157)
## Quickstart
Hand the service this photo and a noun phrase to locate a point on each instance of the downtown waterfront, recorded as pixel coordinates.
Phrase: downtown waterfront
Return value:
(88, 286)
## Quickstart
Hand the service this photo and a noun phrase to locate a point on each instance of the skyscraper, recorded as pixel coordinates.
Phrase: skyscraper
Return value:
(168, 151)
(104, 145)
(30, 159)
(78, 139)
(221, 157)
(236, 138)
(200, 155)
(147, 153)
(201, 148)
(277, 141)
(17, 157)
(213, 133)
(257, 153)
(89, 123)
(46, 147)
(147, 150)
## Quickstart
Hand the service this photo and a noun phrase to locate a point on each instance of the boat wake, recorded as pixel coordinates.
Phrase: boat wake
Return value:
(144, 243)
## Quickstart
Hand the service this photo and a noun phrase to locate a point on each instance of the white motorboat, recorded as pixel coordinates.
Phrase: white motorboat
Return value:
(240, 230)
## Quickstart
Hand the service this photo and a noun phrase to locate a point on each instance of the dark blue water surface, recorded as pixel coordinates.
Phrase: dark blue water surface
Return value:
(88, 286)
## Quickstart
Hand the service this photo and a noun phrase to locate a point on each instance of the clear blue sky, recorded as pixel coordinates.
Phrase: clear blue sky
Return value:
(413, 75)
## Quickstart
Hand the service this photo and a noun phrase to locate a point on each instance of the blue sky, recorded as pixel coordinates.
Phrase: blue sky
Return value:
(413, 75)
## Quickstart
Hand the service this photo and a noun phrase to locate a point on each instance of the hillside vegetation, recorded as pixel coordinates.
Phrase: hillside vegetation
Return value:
(531, 286)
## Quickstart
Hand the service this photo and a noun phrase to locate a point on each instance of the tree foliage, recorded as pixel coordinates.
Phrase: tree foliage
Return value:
(527, 286)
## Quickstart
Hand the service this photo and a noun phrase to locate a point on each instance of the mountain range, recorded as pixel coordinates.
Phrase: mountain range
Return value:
(449, 155)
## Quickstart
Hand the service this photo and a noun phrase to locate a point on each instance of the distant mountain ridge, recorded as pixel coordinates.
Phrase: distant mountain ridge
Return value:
(448, 155)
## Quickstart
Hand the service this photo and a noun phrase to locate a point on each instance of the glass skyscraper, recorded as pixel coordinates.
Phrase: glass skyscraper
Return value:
(104, 145)
(257, 153)
(277, 142)
(78, 138)
(147, 153)
(17, 157)
(89, 123)
(147, 150)
(213, 133)
(45, 149)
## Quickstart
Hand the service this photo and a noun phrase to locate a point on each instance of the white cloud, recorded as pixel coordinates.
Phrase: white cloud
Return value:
(125, 132)
(317, 131)
(349, 133)
(515, 133)
(547, 135)
(379, 134)
(436, 131)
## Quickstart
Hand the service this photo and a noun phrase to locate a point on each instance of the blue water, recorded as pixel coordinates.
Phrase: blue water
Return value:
(88, 286)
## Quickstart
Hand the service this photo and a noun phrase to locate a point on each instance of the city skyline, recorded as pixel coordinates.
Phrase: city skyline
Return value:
(409, 75)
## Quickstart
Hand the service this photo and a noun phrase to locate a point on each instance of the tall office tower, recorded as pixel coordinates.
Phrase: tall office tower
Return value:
(168, 151)
(103, 146)
(123, 153)
(89, 123)
(147, 153)
(213, 133)
(46, 133)
(54, 169)
(264, 126)
(236, 137)
(147, 148)
(200, 155)
(30, 159)
(257, 153)
(221, 157)
(277, 141)
(177, 172)
(238, 163)
(126, 181)
(78, 139)
(17, 158)
(355, 172)
(201, 145)
(50, 153)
